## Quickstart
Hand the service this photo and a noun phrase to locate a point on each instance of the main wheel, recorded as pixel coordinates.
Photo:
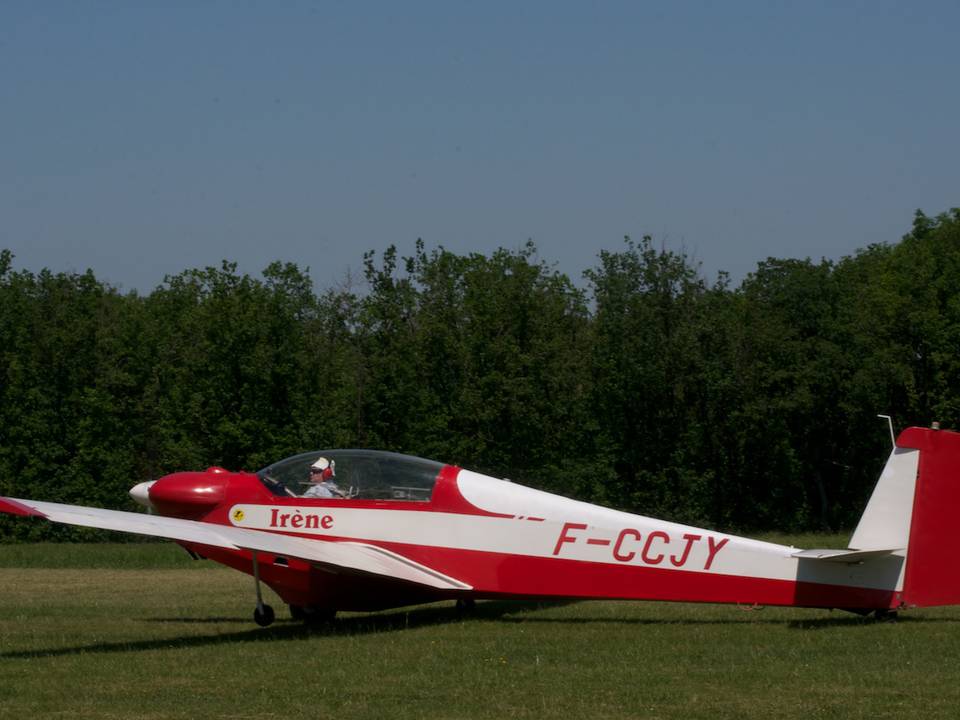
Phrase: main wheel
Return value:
(321, 615)
(263, 616)
(312, 614)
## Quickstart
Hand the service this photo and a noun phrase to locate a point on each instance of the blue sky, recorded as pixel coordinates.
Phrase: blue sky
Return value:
(141, 139)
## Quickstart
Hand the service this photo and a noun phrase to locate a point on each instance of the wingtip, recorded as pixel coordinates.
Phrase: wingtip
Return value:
(15, 507)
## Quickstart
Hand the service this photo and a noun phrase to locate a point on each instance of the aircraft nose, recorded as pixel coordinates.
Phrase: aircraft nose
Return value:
(141, 493)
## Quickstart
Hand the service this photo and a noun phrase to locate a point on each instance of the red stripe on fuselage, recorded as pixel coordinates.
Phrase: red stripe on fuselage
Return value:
(559, 577)
(493, 574)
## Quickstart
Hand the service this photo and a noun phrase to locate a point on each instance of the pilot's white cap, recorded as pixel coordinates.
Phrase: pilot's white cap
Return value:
(320, 464)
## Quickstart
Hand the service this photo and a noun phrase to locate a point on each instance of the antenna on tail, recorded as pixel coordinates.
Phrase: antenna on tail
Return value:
(893, 438)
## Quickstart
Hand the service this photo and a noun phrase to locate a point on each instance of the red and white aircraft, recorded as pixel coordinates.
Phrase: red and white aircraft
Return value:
(401, 530)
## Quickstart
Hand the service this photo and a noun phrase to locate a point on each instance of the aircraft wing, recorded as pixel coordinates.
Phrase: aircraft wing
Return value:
(350, 555)
(844, 556)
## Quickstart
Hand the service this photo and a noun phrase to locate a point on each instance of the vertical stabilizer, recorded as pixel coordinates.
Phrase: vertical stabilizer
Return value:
(885, 524)
(933, 570)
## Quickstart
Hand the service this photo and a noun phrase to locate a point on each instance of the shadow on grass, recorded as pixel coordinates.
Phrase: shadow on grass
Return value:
(200, 621)
(836, 621)
(501, 611)
(286, 629)
(856, 621)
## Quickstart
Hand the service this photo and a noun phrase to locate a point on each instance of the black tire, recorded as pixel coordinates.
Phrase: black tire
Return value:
(320, 615)
(312, 614)
(466, 605)
(263, 616)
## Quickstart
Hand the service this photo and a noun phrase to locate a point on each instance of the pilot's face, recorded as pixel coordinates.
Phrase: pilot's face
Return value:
(316, 475)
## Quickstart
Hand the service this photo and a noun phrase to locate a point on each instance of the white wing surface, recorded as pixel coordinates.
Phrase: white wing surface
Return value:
(350, 555)
(844, 556)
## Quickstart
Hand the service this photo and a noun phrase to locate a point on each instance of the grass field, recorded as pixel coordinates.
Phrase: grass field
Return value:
(120, 631)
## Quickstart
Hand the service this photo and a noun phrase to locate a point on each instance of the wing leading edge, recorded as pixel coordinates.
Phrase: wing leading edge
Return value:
(349, 555)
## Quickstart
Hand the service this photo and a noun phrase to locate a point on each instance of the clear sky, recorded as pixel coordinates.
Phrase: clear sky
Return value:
(144, 138)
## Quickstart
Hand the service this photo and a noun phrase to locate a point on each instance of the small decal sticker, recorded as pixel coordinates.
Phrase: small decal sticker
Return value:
(238, 515)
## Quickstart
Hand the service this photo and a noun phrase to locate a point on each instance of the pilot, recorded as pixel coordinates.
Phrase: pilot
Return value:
(322, 485)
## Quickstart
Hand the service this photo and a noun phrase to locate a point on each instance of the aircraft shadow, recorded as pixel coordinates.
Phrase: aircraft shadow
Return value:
(501, 611)
(285, 628)
(813, 624)
(856, 621)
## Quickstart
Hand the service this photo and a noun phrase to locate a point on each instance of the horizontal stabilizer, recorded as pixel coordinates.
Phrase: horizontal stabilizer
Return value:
(844, 556)
(348, 555)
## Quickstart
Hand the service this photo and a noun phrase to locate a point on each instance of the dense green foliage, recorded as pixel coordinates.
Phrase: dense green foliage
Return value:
(651, 390)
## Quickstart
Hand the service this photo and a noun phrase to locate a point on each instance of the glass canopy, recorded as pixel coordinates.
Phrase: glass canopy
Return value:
(362, 474)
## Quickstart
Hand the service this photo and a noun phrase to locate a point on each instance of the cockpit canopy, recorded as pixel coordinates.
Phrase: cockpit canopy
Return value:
(361, 474)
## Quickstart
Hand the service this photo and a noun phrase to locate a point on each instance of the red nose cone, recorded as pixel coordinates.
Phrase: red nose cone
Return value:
(189, 494)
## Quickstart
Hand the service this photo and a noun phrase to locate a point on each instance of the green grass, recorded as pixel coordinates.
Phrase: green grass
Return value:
(108, 556)
(163, 638)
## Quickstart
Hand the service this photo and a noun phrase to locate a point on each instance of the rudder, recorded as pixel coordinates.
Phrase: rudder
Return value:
(932, 576)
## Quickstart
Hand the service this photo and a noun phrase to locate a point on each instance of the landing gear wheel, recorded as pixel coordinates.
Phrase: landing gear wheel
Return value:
(317, 615)
(263, 615)
(312, 614)
(465, 605)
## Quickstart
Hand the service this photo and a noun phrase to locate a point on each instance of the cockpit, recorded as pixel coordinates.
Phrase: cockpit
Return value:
(355, 474)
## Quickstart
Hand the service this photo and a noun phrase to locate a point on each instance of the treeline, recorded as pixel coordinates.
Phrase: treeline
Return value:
(650, 390)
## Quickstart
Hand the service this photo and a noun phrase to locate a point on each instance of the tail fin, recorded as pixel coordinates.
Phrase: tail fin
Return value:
(915, 506)
(885, 524)
(933, 555)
